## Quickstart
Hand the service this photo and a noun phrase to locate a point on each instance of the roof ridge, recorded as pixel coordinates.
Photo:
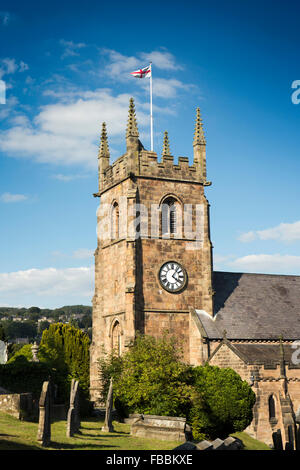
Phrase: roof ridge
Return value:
(257, 274)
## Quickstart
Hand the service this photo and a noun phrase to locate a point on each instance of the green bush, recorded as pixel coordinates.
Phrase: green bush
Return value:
(24, 352)
(222, 403)
(149, 378)
(109, 366)
(65, 349)
(21, 376)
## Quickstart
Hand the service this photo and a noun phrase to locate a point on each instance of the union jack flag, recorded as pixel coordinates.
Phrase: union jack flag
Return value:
(142, 73)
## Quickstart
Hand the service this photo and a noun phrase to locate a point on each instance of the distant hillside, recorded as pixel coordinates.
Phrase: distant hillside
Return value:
(46, 312)
(30, 322)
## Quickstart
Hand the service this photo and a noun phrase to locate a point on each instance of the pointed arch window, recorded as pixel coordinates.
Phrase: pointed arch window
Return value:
(115, 222)
(272, 409)
(116, 338)
(169, 212)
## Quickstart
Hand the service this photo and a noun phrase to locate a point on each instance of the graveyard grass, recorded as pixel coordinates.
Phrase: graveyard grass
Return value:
(22, 435)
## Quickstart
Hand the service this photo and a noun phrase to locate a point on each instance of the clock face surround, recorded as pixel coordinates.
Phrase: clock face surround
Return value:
(172, 276)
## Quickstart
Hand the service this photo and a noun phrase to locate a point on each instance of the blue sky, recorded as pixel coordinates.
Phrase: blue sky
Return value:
(66, 67)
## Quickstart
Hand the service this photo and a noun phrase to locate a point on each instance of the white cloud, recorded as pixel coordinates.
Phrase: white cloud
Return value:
(282, 232)
(120, 65)
(221, 258)
(9, 66)
(71, 48)
(247, 237)
(23, 67)
(80, 254)
(45, 286)
(10, 107)
(8, 197)
(68, 132)
(262, 263)
(67, 178)
(83, 253)
(162, 59)
(167, 88)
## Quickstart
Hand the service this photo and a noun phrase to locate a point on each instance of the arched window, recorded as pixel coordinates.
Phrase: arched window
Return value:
(115, 221)
(169, 214)
(116, 338)
(272, 411)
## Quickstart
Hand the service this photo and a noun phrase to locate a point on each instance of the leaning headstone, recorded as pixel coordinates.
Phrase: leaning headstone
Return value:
(108, 427)
(186, 446)
(204, 445)
(3, 352)
(34, 350)
(73, 418)
(277, 440)
(44, 429)
(218, 444)
(233, 443)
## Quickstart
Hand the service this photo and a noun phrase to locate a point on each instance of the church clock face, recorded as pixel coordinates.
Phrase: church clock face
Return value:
(172, 276)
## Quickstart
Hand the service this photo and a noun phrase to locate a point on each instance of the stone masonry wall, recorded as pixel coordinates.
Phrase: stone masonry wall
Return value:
(16, 404)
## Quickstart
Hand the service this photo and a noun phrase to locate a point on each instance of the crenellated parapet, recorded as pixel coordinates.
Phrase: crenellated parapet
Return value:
(167, 168)
(138, 162)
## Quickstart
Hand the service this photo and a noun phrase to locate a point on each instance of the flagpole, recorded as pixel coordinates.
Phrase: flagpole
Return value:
(151, 114)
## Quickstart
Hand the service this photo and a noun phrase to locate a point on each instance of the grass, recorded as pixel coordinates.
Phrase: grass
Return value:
(21, 435)
(250, 443)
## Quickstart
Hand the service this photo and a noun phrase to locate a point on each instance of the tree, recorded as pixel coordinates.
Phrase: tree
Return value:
(24, 353)
(222, 402)
(34, 310)
(149, 378)
(34, 313)
(2, 334)
(43, 325)
(19, 329)
(66, 350)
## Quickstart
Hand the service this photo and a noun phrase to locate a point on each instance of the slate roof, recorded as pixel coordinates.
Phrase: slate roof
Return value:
(253, 307)
(267, 354)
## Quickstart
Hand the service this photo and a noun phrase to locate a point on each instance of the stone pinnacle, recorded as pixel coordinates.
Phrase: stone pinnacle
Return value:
(199, 137)
(104, 149)
(132, 129)
(166, 144)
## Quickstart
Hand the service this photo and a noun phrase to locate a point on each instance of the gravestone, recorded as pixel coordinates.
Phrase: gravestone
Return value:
(44, 429)
(34, 349)
(277, 440)
(166, 428)
(73, 418)
(108, 427)
(289, 445)
(3, 352)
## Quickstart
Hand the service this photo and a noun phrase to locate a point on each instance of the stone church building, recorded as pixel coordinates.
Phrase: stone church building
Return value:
(154, 272)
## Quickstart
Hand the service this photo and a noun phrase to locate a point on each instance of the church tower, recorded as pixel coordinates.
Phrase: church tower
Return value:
(153, 262)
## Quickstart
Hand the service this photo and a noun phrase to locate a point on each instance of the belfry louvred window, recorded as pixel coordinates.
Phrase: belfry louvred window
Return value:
(115, 222)
(169, 219)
